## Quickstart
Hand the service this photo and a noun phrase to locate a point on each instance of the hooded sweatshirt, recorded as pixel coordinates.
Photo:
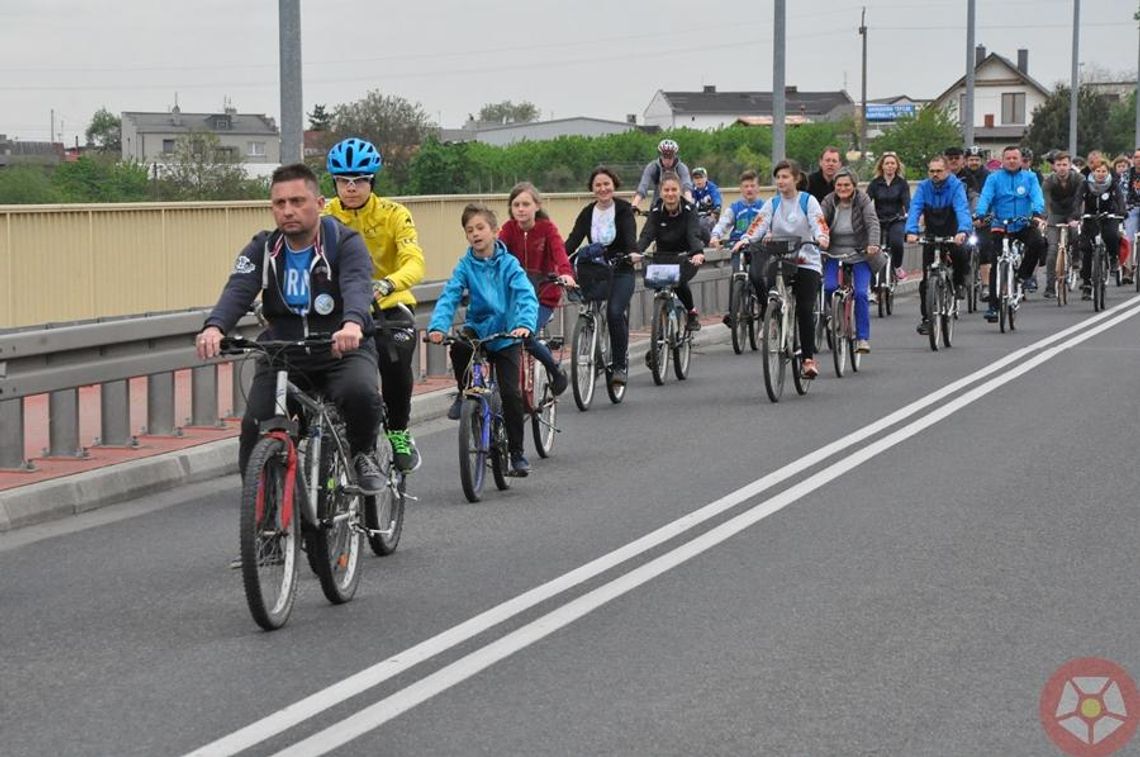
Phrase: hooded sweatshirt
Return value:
(541, 252)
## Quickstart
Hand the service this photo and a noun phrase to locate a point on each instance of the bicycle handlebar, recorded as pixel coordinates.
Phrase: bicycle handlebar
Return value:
(237, 345)
(1101, 217)
(474, 341)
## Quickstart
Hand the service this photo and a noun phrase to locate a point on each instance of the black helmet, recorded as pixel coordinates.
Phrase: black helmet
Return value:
(975, 151)
(1026, 153)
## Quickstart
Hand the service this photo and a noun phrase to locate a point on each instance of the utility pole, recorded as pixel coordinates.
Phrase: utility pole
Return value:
(1136, 143)
(1076, 83)
(863, 119)
(971, 53)
(292, 105)
(51, 134)
(779, 42)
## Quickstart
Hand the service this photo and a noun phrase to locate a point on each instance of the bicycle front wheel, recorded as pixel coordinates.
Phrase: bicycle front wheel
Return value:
(500, 458)
(583, 368)
(1099, 276)
(269, 535)
(682, 351)
(384, 512)
(473, 450)
(545, 413)
(835, 336)
(335, 543)
(949, 305)
(659, 340)
(737, 314)
(775, 359)
(799, 380)
(934, 307)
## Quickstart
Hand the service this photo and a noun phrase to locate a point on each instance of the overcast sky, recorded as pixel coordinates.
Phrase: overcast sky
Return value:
(586, 57)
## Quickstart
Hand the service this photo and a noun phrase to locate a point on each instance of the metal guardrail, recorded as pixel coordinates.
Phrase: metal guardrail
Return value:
(58, 360)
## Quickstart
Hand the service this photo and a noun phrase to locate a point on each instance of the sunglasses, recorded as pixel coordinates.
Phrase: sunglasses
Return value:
(350, 182)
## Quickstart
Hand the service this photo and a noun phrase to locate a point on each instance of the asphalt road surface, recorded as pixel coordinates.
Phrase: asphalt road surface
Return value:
(892, 565)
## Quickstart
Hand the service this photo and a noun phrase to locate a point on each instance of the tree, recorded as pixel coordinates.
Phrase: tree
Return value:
(100, 180)
(105, 132)
(395, 125)
(320, 119)
(507, 112)
(1050, 127)
(201, 169)
(919, 138)
(26, 185)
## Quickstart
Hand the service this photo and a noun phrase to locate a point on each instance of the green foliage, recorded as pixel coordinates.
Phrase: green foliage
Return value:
(27, 185)
(507, 112)
(201, 169)
(1120, 131)
(1050, 127)
(804, 144)
(320, 119)
(92, 179)
(395, 125)
(919, 138)
(105, 132)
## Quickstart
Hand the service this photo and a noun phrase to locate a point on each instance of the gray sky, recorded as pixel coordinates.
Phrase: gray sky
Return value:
(588, 57)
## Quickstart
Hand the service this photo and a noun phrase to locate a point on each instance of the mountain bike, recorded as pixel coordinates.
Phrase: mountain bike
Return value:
(300, 485)
(1101, 265)
(1067, 269)
(743, 309)
(780, 337)
(669, 333)
(590, 340)
(941, 299)
(841, 316)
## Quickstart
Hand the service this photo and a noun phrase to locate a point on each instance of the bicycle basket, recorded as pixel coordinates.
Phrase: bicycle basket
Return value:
(594, 280)
(661, 275)
(780, 246)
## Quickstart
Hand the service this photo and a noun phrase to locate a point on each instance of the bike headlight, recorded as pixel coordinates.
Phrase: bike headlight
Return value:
(973, 239)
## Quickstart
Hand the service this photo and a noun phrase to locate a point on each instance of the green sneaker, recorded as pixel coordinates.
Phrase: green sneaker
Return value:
(404, 453)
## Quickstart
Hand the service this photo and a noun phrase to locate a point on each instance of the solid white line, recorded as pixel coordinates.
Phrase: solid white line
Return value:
(390, 707)
(300, 711)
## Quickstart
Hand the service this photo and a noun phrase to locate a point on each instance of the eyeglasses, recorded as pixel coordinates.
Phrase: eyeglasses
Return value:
(936, 171)
(350, 182)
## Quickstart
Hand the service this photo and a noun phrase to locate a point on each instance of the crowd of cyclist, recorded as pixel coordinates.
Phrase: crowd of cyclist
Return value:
(508, 272)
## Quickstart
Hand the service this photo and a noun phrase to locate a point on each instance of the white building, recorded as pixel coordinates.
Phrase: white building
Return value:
(709, 109)
(150, 137)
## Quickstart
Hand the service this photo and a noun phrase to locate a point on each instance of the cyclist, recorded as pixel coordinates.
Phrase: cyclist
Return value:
(1102, 195)
(853, 226)
(796, 214)
(397, 265)
(735, 220)
(956, 165)
(1027, 164)
(608, 221)
(974, 176)
(1131, 188)
(533, 238)
(891, 194)
(821, 183)
(707, 199)
(1009, 193)
(1064, 191)
(502, 300)
(314, 276)
(941, 202)
(673, 225)
(668, 161)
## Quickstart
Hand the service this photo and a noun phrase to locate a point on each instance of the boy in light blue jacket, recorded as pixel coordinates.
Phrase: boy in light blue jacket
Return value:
(502, 300)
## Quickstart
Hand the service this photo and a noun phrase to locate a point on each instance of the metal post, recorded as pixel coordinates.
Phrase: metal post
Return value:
(1076, 83)
(115, 415)
(779, 106)
(241, 378)
(292, 104)
(12, 440)
(968, 111)
(863, 119)
(204, 396)
(63, 424)
(160, 405)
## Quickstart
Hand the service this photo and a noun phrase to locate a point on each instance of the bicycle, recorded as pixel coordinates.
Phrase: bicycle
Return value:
(300, 485)
(534, 382)
(482, 428)
(780, 338)
(1101, 265)
(1065, 271)
(589, 341)
(743, 308)
(669, 332)
(974, 288)
(885, 281)
(1008, 285)
(941, 299)
(841, 317)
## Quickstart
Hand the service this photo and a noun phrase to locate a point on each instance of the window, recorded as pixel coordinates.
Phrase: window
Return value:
(167, 146)
(256, 150)
(1013, 108)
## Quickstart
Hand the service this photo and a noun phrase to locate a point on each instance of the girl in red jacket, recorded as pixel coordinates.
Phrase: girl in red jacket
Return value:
(533, 238)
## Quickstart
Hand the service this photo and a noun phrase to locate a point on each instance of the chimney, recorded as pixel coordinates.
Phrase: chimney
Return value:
(1023, 61)
(979, 55)
(631, 118)
(710, 89)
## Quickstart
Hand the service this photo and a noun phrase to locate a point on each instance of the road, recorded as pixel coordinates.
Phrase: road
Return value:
(893, 564)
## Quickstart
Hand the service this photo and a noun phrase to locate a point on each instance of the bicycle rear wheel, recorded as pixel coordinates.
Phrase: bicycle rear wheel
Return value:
(835, 336)
(682, 351)
(545, 412)
(583, 368)
(659, 340)
(737, 303)
(335, 544)
(753, 319)
(500, 457)
(801, 382)
(473, 450)
(384, 512)
(269, 535)
(775, 359)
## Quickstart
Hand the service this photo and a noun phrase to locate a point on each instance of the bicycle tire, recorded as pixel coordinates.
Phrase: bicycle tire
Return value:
(473, 450)
(820, 327)
(336, 544)
(1061, 277)
(583, 368)
(753, 319)
(835, 337)
(881, 297)
(799, 381)
(500, 457)
(545, 414)
(890, 301)
(736, 302)
(854, 355)
(384, 512)
(682, 350)
(949, 303)
(270, 602)
(775, 360)
(934, 308)
(1012, 316)
(659, 340)
(1098, 278)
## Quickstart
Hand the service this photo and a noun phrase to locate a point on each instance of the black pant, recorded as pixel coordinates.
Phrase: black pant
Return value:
(806, 287)
(684, 293)
(1034, 250)
(961, 261)
(894, 234)
(617, 316)
(506, 363)
(1109, 233)
(396, 350)
(349, 381)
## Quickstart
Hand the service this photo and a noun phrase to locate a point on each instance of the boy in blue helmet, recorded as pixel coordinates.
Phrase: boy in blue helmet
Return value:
(397, 265)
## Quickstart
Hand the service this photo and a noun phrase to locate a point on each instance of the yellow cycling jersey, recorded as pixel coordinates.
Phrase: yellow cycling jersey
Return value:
(390, 235)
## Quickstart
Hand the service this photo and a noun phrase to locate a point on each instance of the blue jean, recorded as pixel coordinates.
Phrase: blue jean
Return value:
(862, 274)
(540, 351)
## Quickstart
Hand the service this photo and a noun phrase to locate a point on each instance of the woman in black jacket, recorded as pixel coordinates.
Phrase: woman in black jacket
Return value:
(891, 194)
(674, 226)
(1102, 195)
(609, 221)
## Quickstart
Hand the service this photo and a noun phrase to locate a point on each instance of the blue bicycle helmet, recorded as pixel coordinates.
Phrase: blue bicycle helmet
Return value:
(354, 157)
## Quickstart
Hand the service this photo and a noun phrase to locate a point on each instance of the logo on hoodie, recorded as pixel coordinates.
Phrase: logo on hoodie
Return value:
(243, 265)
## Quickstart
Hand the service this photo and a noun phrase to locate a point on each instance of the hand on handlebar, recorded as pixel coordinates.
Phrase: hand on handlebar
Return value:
(697, 258)
(209, 342)
(347, 339)
(521, 332)
(873, 250)
(435, 337)
(911, 238)
(959, 238)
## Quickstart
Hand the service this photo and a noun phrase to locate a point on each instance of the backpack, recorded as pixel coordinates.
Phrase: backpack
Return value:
(803, 203)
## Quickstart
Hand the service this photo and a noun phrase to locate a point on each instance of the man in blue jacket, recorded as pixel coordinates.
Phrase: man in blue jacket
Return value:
(1014, 194)
(941, 202)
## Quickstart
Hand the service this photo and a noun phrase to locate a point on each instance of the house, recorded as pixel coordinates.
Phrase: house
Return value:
(1005, 96)
(883, 112)
(534, 131)
(150, 137)
(14, 152)
(709, 109)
